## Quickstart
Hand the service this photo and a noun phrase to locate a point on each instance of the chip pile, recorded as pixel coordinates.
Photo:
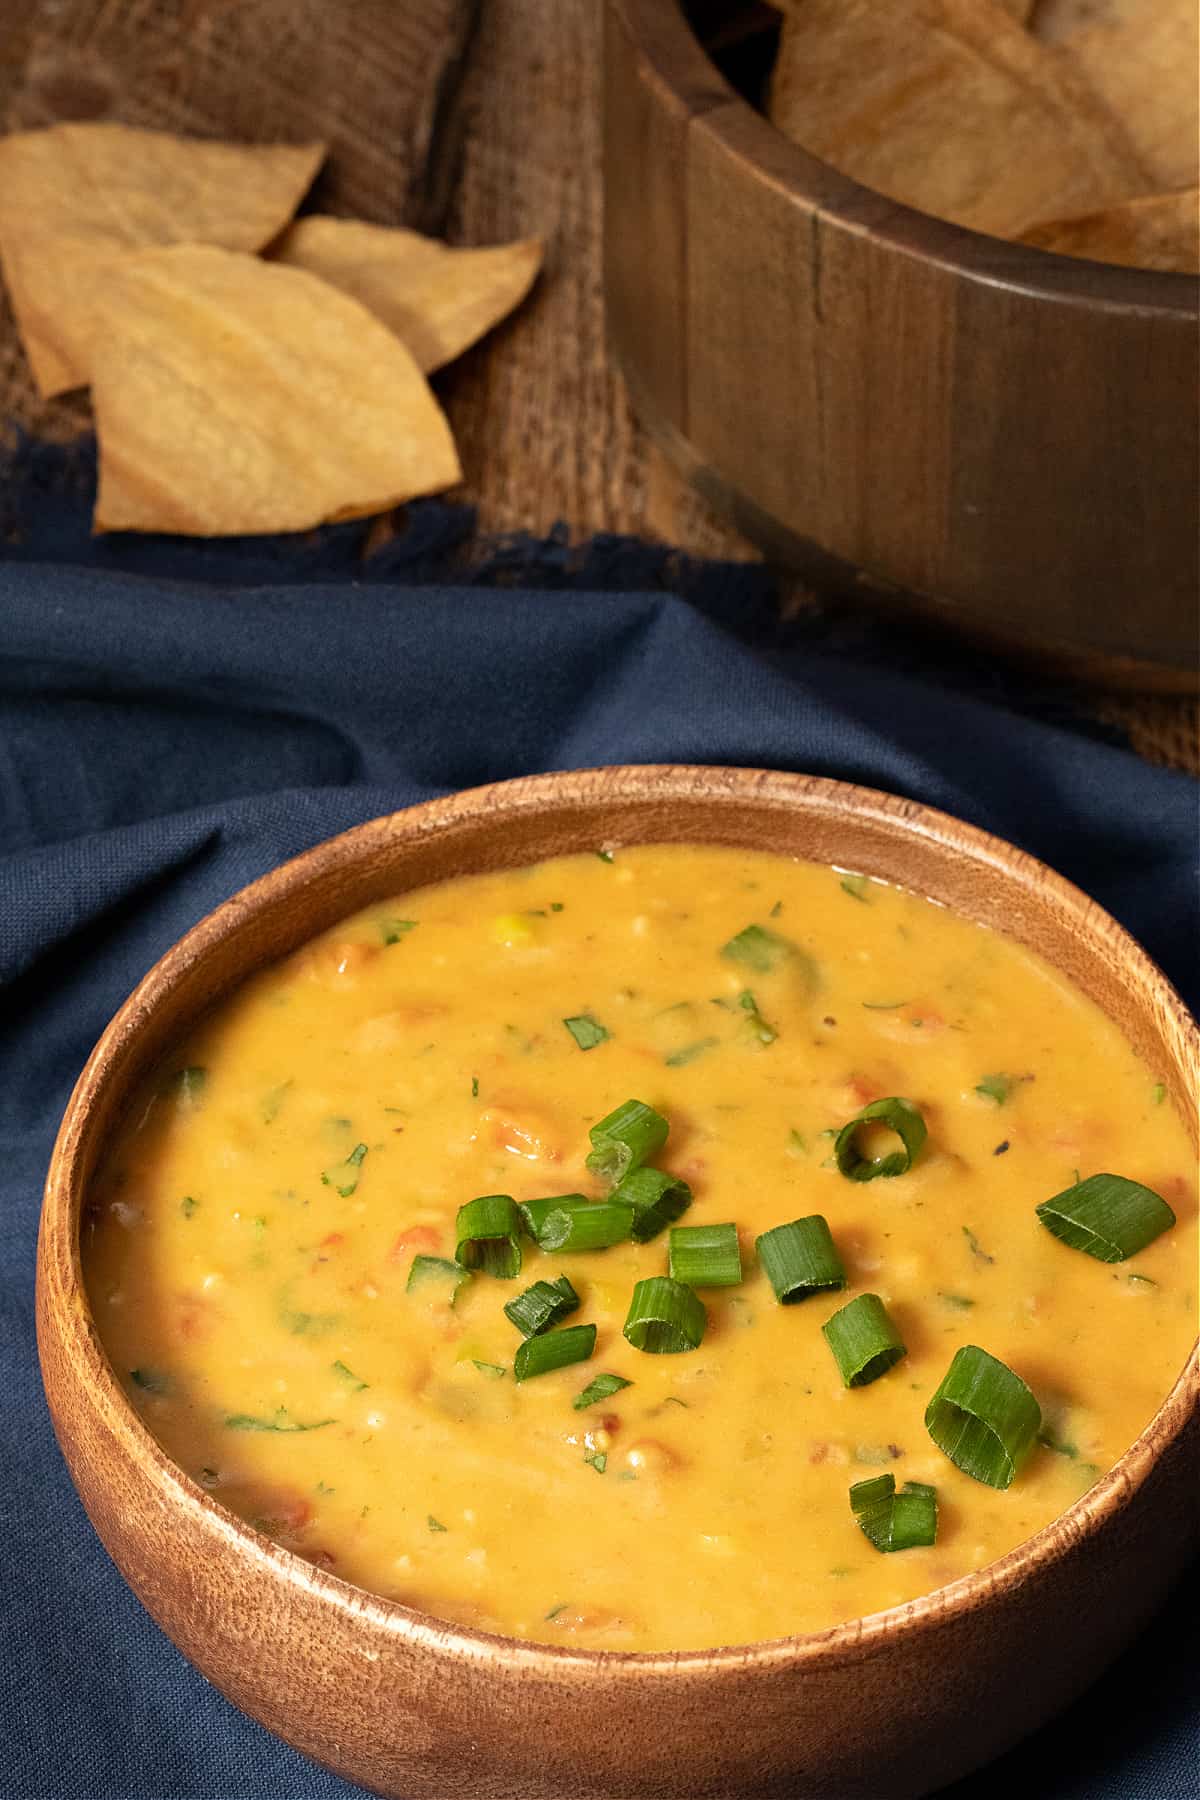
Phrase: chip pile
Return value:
(1072, 125)
(237, 392)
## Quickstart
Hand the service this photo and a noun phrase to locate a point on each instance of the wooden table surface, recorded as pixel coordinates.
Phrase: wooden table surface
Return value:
(478, 120)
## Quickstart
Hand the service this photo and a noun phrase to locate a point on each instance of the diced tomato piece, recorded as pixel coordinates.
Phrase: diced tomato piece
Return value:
(282, 1512)
(422, 1238)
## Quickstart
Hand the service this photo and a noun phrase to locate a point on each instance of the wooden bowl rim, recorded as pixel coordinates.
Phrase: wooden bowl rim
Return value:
(59, 1237)
(666, 41)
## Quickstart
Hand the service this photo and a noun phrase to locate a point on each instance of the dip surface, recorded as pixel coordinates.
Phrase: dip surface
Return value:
(416, 1056)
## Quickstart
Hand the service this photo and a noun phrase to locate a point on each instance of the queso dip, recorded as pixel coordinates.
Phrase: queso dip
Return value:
(271, 1246)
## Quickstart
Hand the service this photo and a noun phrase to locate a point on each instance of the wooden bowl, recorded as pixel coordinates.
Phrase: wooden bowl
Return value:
(884, 1707)
(999, 436)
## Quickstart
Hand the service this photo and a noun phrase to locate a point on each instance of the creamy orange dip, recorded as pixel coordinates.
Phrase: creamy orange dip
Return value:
(250, 1239)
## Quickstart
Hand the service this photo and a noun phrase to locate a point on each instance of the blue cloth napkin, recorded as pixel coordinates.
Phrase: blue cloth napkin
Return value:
(175, 720)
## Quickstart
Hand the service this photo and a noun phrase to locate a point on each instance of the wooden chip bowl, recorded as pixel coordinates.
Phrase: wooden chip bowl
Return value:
(1000, 437)
(878, 1709)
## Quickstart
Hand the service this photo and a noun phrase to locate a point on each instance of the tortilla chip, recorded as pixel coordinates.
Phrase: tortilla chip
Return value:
(1161, 231)
(949, 106)
(436, 298)
(74, 196)
(232, 396)
(1143, 60)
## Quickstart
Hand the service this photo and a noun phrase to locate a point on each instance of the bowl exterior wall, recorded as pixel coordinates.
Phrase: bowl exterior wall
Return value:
(1000, 436)
(414, 1709)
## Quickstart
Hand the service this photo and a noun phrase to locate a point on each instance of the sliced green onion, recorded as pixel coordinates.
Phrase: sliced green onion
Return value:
(657, 1200)
(800, 1259)
(629, 1136)
(664, 1317)
(343, 1176)
(705, 1255)
(983, 1417)
(1107, 1216)
(584, 1225)
(603, 1387)
(864, 1341)
(891, 1520)
(554, 1350)
(902, 1117)
(489, 1236)
(541, 1306)
(534, 1213)
(436, 1268)
(586, 1031)
(758, 949)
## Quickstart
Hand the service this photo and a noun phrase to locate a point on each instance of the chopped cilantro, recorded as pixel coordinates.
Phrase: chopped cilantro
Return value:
(393, 930)
(975, 1247)
(150, 1381)
(344, 1176)
(188, 1085)
(353, 1381)
(271, 1103)
(280, 1422)
(434, 1524)
(689, 1053)
(586, 1031)
(956, 1302)
(756, 1025)
(603, 1387)
(757, 948)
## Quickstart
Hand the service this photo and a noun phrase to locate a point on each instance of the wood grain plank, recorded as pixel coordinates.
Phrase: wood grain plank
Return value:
(365, 75)
(543, 422)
